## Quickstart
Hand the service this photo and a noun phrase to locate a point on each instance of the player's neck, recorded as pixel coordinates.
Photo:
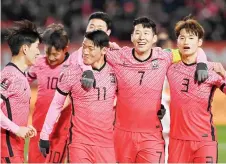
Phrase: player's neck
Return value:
(142, 56)
(20, 62)
(189, 59)
(98, 64)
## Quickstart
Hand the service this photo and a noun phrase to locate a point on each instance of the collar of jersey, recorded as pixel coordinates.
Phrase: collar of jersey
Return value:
(189, 64)
(133, 52)
(95, 69)
(12, 64)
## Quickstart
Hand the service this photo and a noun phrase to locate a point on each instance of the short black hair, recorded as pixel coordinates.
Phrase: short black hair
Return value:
(146, 23)
(99, 38)
(55, 36)
(103, 16)
(23, 32)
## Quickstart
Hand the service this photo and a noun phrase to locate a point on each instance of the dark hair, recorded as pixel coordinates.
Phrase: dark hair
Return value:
(146, 23)
(99, 38)
(23, 32)
(191, 26)
(103, 16)
(55, 36)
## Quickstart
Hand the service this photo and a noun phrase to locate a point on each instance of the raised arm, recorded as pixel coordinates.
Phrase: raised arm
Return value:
(201, 73)
(64, 85)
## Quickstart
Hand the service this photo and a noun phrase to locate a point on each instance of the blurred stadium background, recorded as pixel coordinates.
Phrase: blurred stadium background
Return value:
(73, 14)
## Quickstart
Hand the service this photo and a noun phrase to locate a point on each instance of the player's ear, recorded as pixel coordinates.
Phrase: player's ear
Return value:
(24, 48)
(155, 38)
(200, 42)
(108, 32)
(132, 39)
(104, 50)
(66, 49)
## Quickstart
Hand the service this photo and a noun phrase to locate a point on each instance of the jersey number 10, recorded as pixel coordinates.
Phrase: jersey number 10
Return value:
(52, 83)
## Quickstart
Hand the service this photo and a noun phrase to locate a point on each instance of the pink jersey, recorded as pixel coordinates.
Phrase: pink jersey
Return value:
(93, 113)
(15, 93)
(190, 106)
(139, 88)
(47, 78)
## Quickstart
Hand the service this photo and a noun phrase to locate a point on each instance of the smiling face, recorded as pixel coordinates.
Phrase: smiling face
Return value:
(188, 43)
(90, 52)
(31, 52)
(143, 38)
(54, 57)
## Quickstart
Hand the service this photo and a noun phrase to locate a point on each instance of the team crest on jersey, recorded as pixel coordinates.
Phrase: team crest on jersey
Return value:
(155, 64)
(112, 78)
(5, 84)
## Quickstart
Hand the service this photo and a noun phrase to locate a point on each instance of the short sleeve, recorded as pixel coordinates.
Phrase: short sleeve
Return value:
(66, 80)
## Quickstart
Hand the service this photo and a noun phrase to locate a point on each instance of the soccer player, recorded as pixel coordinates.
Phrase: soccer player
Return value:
(23, 40)
(140, 73)
(192, 133)
(97, 21)
(91, 133)
(46, 71)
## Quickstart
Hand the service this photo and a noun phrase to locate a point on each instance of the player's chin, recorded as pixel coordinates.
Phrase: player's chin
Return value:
(87, 62)
(188, 53)
(143, 49)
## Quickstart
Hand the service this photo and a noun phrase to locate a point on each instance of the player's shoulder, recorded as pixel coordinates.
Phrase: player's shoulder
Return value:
(12, 75)
(72, 68)
(126, 50)
(158, 52)
(210, 66)
(123, 50)
(70, 73)
(109, 67)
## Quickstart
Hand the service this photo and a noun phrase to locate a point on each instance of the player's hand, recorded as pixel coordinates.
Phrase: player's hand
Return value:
(161, 113)
(88, 80)
(32, 131)
(44, 147)
(23, 132)
(201, 73)
(114, 45)
(219, 69)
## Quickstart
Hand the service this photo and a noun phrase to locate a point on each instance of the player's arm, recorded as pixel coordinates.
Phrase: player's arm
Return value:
(31, 74)
(64, 85)
(201, 73)
(63, 88)
(7, 124)
(87, 79)
(220, 79)
(114, 56)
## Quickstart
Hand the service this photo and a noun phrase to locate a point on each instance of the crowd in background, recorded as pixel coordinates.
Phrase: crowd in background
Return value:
(74, 14)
